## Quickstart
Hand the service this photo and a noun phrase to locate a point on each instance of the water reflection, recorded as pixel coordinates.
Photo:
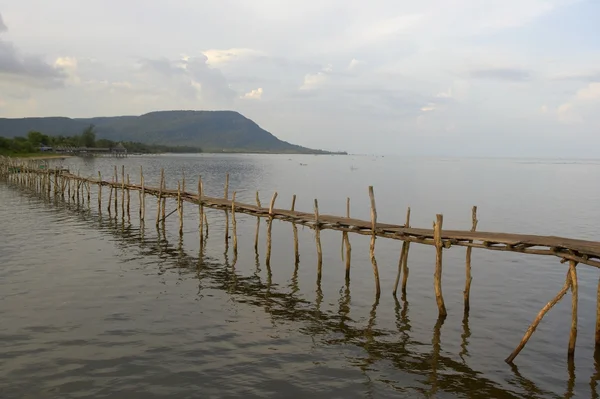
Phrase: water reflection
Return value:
(435, 371)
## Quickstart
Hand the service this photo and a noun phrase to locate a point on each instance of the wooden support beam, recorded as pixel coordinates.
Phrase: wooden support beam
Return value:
(318, 242)
(539, 318)
(437, 231)
(295, 232)
(373, 236)
(257, 225)
(574, 300)
(268, 256)
(346, 243)
(234, 226)
(469, 278)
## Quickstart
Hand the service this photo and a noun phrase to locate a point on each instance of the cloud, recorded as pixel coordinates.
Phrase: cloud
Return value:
(444, 94)
(193, 77)
(429, 107)
(314, 80)
(567, 114)
(216, 57)
(581, 106)
(505, 74)
(3, 27)
(354, 64)
(255, 94)
(29, 69)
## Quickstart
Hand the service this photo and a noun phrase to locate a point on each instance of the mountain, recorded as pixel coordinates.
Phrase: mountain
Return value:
(213, 131)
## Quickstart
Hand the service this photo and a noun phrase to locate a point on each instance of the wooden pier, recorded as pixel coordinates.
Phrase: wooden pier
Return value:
(61, 183)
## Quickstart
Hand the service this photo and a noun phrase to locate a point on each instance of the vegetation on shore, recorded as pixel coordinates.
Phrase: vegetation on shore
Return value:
(35, 141)
(213, 131)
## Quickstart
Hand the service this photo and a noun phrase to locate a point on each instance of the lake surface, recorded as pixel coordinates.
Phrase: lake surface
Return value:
(92, 305)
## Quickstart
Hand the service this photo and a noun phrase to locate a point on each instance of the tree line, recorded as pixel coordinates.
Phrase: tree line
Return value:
(34, 142)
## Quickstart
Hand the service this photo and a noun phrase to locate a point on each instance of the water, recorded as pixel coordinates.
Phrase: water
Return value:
(93, 306)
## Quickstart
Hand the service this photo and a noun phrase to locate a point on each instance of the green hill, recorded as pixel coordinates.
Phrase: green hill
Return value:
(213, 131)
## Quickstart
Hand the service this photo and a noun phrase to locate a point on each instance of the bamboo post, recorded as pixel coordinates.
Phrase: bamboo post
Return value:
(201, 209)
(226, 196)
(116, 192)
(158, 202)
(163, 208)
(268, 256)
(295, 230)
(539, 318)
(179, 209)
(318, 242)
(257, 225)
(110, 192)
(142, 196)
(405, 270)
(469, 278)
(99, 191)
(233, 223)
(123, 191)
(373, 236)
(128, 198)
(403, 263)
(437, 237)
(597, 335)
(87, 189)
(55, 182)
(346, 240)
(574, 299)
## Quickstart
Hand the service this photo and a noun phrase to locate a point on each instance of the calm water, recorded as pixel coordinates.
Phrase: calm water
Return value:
(94, 306)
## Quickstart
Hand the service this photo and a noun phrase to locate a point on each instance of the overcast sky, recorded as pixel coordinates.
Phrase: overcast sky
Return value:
(427, 77)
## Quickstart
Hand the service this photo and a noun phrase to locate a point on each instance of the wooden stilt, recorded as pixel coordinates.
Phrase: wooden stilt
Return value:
(539, 318)
(128, 199)
(200, 210)
(468, 280)
(234, 226)
(346, 241)
(179, 209)
(268, 256)
(295, 231)
(257, 225)
(116, 193)
(597, 335)
(142, 196)
(437, 236)
(163, 207)
(373, 236)
(574, 299)
(318, 242)
(226, 196)
(405, 269)
(123, 191)
(403, 262)
(159, 201)
(110, 192)
(99, 192)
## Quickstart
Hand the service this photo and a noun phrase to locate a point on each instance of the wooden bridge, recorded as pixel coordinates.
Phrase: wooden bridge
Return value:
(61, 183)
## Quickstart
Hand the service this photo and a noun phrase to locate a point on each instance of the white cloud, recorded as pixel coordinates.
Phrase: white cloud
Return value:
(69, 66)
(354, 64)
(255, 94)
(567, 114)
(314, 80)
(445, 94)
(589, 93)
(584, 104)
(429, 107)
(217, 57)
(544, 109)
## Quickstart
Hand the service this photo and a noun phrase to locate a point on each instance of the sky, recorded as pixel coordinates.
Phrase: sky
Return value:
(391, 77)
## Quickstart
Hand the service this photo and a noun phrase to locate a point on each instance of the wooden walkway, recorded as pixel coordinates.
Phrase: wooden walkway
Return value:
(581, 251)
(63, 184)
